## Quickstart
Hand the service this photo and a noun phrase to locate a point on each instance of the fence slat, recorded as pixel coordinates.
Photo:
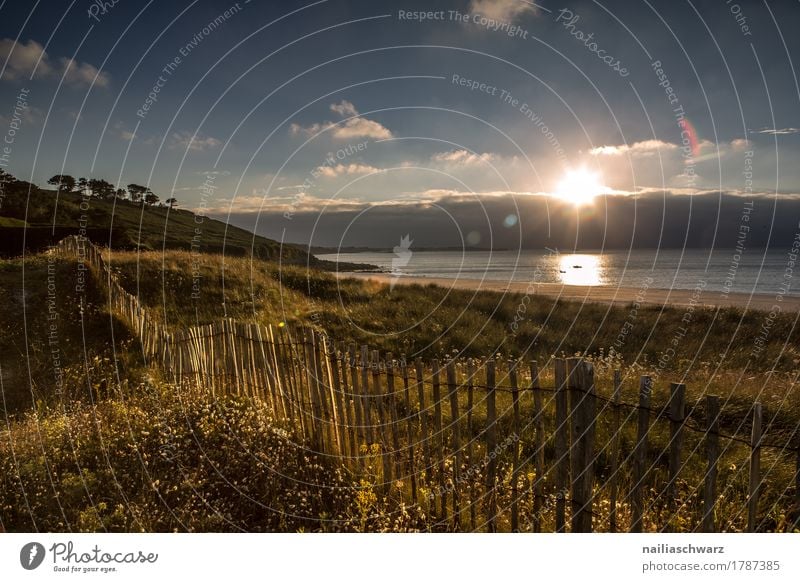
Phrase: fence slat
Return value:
(438, 439)
(677, 413)
(583, 421)
(616, 428)
(491, 444)
(538, 422)
(755, 469)
(561, 443)
(471, 440)
(640, 454)
(452, 390)
(512, 373)
(712, 456)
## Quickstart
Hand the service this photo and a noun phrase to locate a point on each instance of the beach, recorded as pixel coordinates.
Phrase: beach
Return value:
(600, 293)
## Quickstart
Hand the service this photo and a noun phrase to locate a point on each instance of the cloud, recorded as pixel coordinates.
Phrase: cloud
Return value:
(502, 9)
(640, 149)
(346, 170)
(30, 59)
(182, 140)
(344, 108)
(353, 128)
(776, 131)
(464, 158)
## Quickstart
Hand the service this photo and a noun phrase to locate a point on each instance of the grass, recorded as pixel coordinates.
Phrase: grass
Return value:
(124, 450)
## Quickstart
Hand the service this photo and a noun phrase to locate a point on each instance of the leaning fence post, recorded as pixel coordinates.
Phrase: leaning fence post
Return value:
(561, 443)
(677, 413)
(491, 443)
(712, 454)
(755, 469)
(640, 454)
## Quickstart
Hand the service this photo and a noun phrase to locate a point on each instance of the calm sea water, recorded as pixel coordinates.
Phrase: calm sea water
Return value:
(754, 271)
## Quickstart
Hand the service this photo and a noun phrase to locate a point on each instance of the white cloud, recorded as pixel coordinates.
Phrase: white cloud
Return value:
(502, 9)
(346, 170)
(640, 148)
(30, 59)
(776, 131)
(464, 158)
(344, 108)
(182, 140)
(360, 127)
(353, 128)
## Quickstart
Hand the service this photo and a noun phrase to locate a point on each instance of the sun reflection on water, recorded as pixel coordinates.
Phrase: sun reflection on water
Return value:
(581, 269)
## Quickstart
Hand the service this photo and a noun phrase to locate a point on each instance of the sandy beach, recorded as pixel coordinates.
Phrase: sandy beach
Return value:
(600, 294)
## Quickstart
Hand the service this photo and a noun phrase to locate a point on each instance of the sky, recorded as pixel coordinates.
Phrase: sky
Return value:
(463, 122)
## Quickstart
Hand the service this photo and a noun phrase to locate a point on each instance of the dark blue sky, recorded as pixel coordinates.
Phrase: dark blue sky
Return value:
(263, 94)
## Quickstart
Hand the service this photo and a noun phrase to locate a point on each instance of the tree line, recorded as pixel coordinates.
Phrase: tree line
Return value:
(104, 189)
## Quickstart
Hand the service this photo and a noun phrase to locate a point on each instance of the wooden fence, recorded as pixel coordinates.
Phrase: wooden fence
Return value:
(487, 444)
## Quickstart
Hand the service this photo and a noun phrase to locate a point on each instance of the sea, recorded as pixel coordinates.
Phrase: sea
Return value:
(725, 270)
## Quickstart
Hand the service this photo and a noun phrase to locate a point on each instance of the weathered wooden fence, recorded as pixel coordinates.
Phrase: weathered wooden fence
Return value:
(485, 444)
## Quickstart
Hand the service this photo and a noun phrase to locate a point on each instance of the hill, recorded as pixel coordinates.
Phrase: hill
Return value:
(36, 217)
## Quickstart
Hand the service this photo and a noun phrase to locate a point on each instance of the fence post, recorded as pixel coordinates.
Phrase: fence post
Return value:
(367, 396)
(512, 372)
(439, 438)
(561, 443)
(392, 404)
(615, 435)
(538, 421)
(470, 440)
(456, 441)
(583, 422)
(386, 457)
(423, 432)
(640, 454)
(712, 454)
(358, 404)
(491, 443)
(677, 413)
(409, 428)
(755, 469)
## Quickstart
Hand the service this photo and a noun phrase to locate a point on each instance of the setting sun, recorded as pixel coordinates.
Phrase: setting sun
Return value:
(579, 187)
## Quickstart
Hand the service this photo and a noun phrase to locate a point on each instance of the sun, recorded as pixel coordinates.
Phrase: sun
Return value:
(580, 187)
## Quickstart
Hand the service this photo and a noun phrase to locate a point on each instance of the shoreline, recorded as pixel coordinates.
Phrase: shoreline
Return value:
(596, 294)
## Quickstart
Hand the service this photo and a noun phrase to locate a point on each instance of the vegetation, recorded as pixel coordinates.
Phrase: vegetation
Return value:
(97, 440)
(133, 218)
